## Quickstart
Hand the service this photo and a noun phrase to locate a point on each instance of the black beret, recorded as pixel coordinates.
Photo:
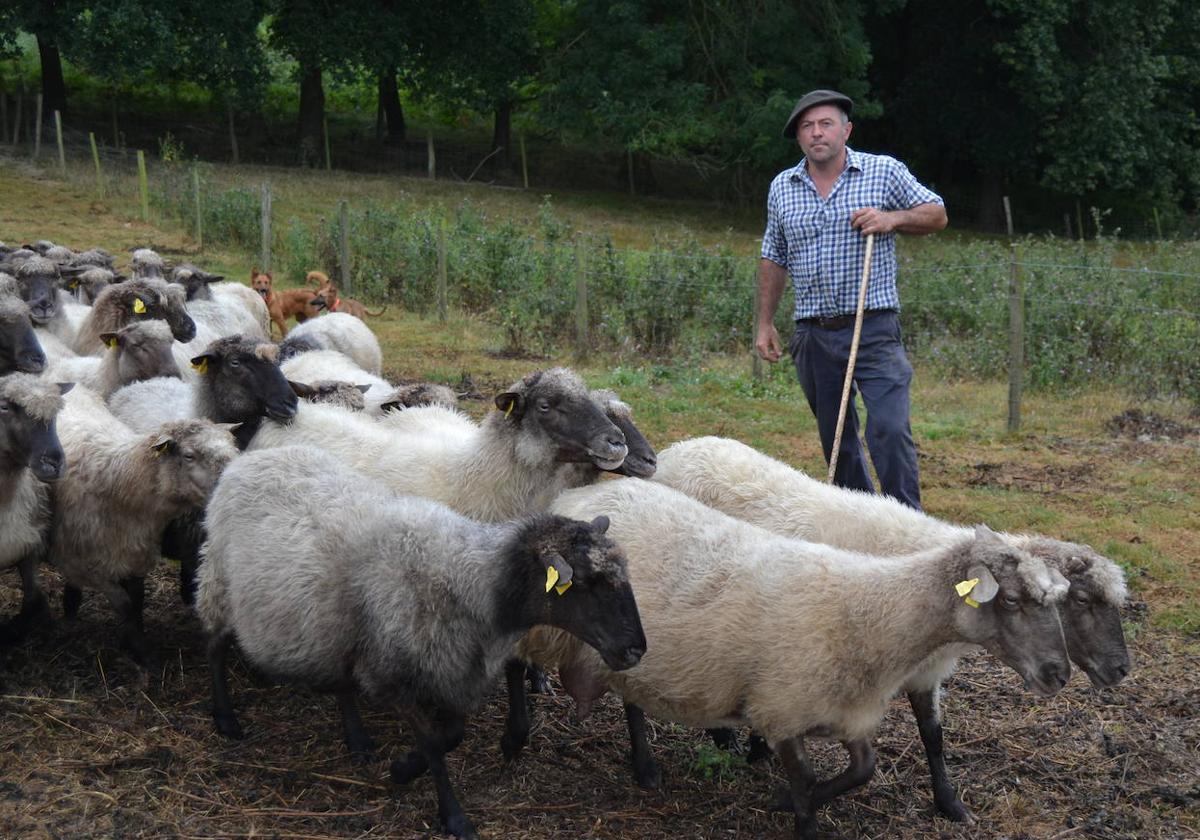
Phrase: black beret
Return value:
(816, 97)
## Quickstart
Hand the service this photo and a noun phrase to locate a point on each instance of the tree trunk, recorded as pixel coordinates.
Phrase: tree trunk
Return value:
(389, 102)
(54, 89)
(502, 134)
(312, 115)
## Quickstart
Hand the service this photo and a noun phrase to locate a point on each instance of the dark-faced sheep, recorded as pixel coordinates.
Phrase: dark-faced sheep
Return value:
(20, 350)
(133, 300)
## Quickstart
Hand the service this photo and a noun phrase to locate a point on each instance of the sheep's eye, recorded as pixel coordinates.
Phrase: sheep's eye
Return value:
(5, 406)
(544, 405)
(189, 457)
(234, 363)
(1081, 597)
(1010, 602)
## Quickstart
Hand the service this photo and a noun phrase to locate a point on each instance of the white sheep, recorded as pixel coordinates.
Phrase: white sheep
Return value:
(407, 601)
(738, 480)
(30, 459)
(315, 365)
(513, 463)
(120, 491)
(346, 334)
(798, 639)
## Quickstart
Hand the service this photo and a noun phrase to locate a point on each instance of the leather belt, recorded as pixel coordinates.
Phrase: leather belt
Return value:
(838, 322)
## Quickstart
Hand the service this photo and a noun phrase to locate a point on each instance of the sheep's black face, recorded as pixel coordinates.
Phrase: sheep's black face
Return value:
(596, 602)
(40, 292)
(1095, 638)
(28, 442)
(555, 405)
(19, 347)
(246, 384)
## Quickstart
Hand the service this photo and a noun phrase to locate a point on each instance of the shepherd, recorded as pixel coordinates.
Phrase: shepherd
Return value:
(820, 215)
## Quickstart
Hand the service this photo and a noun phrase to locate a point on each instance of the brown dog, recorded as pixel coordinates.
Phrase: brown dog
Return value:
(292, 303)
(327, 298)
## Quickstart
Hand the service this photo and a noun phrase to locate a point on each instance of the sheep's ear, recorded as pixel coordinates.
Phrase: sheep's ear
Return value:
(985, 534)
(200, 363)
(212, 278)
(558, 572)
(164, 445)
(362, 389)
(394, 405)
(600, 524)
(110, 340)
(64, 388)
(983, 590)
(301, 390)
(511, 402)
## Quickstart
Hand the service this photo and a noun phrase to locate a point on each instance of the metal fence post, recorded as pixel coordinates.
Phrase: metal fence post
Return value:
(96, 160)
(199, 215)
(143, 185)
(62, 155)
(344, 246)
(1016, 328)
(441, 271)
(581, 301)
(266, 227)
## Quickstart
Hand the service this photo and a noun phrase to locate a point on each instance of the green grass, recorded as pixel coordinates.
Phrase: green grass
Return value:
(1062, 474)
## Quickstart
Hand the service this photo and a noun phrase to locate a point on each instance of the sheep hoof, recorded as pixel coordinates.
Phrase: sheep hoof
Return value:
(955, 811)
(459, 826)
(228, 726)
(647, 776)
(512, 745)
(361, 757)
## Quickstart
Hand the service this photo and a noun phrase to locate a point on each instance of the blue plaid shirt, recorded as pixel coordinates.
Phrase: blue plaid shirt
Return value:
(811, 236)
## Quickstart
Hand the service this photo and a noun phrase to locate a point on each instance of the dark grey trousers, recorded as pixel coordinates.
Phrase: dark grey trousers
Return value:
(882, 375)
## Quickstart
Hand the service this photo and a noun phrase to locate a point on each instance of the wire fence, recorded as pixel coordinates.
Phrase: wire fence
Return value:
(1086, 312)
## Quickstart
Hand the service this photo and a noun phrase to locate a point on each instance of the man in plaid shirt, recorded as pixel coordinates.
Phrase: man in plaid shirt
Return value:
(818, 216)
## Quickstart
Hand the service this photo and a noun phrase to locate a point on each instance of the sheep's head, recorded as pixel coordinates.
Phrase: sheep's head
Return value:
(641, 460)
(19, 347)
(39, 281)
(189, 456)
(195, 281)
(143, 351)
(575, 578)
(28, 410)
(1007, 601)
(419, 393)
(148, 265)
(1091, 614)
(552, 411)
(240, 380)
(88, 281)
(332, 392)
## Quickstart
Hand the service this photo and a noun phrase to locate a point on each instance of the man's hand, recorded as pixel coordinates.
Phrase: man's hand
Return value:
(871, 220)
(767, 343)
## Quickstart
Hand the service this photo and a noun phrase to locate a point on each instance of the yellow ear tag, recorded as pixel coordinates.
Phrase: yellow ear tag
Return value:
(508, 413)
(562, 589)
(201, 368)
(111, 344)
(964, 588)
(139, 308)
(551, 577)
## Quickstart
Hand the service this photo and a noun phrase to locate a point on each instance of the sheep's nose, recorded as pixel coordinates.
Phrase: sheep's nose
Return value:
(1053, 675)
(31, 362)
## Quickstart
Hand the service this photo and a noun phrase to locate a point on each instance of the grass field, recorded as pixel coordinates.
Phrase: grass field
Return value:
(92, 746)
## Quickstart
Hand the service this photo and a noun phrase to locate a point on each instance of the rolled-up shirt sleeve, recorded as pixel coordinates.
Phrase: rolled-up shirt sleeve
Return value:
(905, 191)
(774, 243)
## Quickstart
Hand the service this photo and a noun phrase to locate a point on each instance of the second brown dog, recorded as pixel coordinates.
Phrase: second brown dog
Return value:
(291, 303)
(327, 297)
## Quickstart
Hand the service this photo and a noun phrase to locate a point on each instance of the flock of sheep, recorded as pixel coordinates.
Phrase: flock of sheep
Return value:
(711, 585)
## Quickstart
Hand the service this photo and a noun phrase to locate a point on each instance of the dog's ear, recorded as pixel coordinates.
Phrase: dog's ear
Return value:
(253, 274)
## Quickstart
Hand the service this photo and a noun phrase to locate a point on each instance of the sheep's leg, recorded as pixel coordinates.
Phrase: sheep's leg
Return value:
(412, 766)
(758, 748)
(517, 725)
(801, 781)
(33, 602)
(132, 612)
(929, 722)
(539, 683)
(439, 731)
(857, 774)
(72, 599)
(725, 739)
(645, 769)
(222, 707)
(362, 747)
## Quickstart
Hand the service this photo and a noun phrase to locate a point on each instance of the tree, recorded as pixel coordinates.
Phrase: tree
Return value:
(53, 24)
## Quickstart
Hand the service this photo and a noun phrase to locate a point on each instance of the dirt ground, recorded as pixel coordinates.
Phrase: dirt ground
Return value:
(91, 746)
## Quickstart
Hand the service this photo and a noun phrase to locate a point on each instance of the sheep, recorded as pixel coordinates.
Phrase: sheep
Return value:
(31, 459)
(148, 265)
(120, 491)
(515, 462)
(742, 482)
(39, 282)
(133, 300)
(334, 364)
(408, 603)
(226, 308)
(136, 352)
(798, 639)
(415, 394)
(293, 346)
(88, 281)
(347, 334)
(95, 257)
(20, 350)
(332, 392)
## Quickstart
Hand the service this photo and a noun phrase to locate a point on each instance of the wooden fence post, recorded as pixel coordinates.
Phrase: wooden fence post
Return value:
(199, 215)
(430, 155)
(96, 160)
(233, 143)
(143, 185)
(344, 247)
(629, 159)
(581, 301)
(62, 155)
(265, 215)
(1158, 224)
(441, 271)
(1079, 219)
(37, 132)
(524, 163)
(325, 131)
(1016, 328)
(17, 122)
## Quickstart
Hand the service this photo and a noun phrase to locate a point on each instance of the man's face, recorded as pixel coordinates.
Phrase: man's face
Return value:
(822, 133)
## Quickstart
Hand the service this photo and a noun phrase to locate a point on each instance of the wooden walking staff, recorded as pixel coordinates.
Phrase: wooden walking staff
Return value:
(858, 321)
